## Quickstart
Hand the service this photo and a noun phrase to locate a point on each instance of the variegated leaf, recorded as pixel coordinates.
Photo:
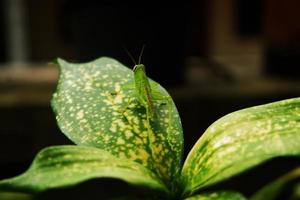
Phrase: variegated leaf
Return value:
(242, 140)
(64, 166)
(95, 106)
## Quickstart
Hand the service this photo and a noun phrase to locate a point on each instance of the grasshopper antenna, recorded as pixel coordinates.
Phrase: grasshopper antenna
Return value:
(130, 55)
(140, 57)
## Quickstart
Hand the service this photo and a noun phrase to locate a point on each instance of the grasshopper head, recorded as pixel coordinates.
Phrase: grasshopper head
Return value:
(139, 68)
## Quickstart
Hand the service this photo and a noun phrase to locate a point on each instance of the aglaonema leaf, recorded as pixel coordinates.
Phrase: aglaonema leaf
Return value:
(218, 195)
(241, 140)
(15, 196)
(273, 189)
(65, 166)
(296, 193)
(95, 106)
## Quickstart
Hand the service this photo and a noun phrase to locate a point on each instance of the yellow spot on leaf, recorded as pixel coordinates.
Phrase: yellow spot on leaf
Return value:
(80, 115)
(120, 123)
(120, 141)
(132, 154)
(158, 148)
(106, 138)
(117, 87)
(136, 129)
(85, 138)
(143, 154)
(119, 99)
(113, 128)
(138, 141)
(128, 134)
(108, 102)
(88, 86)
(83, 121)
(98, 133)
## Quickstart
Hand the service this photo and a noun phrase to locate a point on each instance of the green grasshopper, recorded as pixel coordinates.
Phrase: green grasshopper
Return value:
(143, 88)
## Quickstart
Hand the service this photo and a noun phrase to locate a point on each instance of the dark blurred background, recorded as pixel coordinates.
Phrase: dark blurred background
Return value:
(214, 57)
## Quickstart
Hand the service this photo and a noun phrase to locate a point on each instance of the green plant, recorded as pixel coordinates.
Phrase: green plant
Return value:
(95, 107)
(273, 189)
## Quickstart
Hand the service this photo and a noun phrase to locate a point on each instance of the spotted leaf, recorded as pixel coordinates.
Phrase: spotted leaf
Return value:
(242, 140)
(220, 195)
(64, 166)
(96, 106)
